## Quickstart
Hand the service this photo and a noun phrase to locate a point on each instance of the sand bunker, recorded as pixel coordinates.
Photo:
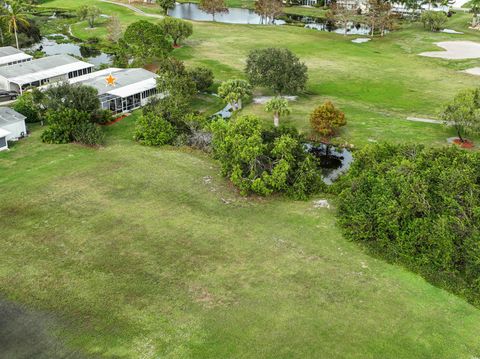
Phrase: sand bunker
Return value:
(456, 50)
(361, 40)
(450, 31)
(473, 71)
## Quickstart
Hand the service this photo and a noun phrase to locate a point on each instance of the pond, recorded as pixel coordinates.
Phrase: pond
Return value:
(191, 11)
(333, 161)
(65, 47)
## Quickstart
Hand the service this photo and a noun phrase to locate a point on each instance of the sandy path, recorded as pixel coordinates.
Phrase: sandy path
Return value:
(135, 9)
(456, 50)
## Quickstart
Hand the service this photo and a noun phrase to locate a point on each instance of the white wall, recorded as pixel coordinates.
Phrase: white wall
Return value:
(15, 130)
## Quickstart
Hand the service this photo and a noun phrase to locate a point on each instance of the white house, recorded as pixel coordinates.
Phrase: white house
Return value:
(12, 122)
(41, 72)
(121, 90)
(3, 139)
(11, 56)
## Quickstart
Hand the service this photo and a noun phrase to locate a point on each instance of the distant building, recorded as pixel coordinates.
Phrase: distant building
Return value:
(3, 139)
(41, 72)
(11, 56)
(121, 90)
(12, 126)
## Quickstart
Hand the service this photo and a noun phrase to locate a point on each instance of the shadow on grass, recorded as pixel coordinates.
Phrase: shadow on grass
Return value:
(27, 334)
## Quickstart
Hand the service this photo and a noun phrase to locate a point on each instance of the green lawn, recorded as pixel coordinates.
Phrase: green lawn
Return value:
(144, 252)
(378, 84)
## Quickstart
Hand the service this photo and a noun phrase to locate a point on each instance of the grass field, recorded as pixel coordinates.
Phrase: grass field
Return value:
(378, 84)
(136, 252)
(144, 253)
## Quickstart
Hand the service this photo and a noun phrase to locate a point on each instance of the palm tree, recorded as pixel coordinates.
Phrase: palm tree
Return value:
(14, 16)
(279, 107)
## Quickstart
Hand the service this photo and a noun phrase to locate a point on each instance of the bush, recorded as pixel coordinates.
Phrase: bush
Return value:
(27, 106)
(326, 119)
(68, 125)
(88, 134)
(264, 162)
(153, 130)
(419, 207)
(202, 77)
(433, 20)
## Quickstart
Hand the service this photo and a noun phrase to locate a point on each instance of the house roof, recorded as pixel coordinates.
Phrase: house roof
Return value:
(10, 54)
(44, 68)
(4, 133)
(127, 81)
(7, 116)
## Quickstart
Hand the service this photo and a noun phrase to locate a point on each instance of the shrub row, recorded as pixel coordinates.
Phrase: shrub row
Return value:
(419, 207)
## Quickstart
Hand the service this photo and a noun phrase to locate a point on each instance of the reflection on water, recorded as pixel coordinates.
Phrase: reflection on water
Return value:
(333, 161)
(51, 47)
(191, 11)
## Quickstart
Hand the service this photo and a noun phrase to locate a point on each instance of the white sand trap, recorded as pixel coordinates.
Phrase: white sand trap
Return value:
(473, 71)
(260, 100)
(361, 40)
(450, 31)
(456, 50)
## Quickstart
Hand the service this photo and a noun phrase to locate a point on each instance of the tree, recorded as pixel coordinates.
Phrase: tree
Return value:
(177, 29)
(144, 40)
(233, 91)
(15, 16)
(379, 16)
(175, 81)
(278, 69)
(279, 107)
(463, 113)
(89, 13)
(433, 20)
(342, 15)
(326, 119)
(475, 9)
(166, 5)
(114, 29)
(213, 7)
(268, 9)
(202, 77)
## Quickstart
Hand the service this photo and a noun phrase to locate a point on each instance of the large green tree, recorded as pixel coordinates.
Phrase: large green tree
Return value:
(278, 69)
(176, 29)
(144, 41)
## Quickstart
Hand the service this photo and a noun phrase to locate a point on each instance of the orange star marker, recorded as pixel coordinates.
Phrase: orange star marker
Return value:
(110, 80)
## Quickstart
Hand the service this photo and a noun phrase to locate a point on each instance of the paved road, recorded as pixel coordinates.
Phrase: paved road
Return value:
(135, 9)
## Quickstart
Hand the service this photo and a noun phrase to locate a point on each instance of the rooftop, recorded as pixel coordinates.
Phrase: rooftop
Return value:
(127, 81)
(7, 116)
(39, 69)
(9, 50)
(10, 54)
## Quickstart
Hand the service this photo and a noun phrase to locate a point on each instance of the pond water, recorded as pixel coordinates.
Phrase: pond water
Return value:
(333, 161)
(50, 47)
(191, 11)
